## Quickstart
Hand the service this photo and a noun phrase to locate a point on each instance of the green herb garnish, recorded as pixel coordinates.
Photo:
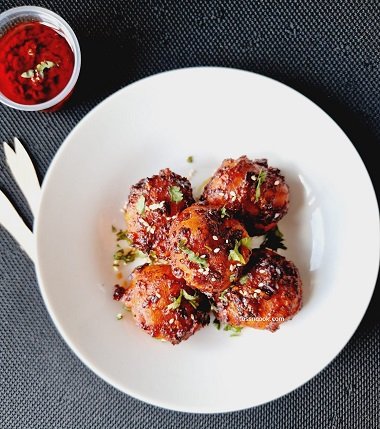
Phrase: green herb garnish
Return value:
(223, 213)
(193, 299)
(190, 159)
(192, 256)
(121, 235)
(140, 205)
(176, 303)
(260, 180)
(29, 74)
(175, 194)
(126, 256)
(243, 280)
(274, 239)
(235, 330)
(152, 257)
(222, 296)
(247, 242)
(235, 255)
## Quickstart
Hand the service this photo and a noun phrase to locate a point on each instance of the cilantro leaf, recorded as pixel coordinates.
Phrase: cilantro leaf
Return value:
(247, 242)
(190, 159)
(260, 180)
(235, 255)
(175, 194)
(192, 256)
(176, 303)
(193, 299)
(140, 205)
(243, 280)
(223, 213)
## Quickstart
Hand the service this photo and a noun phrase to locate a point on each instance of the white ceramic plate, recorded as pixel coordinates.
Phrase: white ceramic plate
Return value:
(332, 233)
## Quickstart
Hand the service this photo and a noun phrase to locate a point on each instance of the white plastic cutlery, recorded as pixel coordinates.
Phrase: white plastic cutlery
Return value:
(25, 176)
(24, 173)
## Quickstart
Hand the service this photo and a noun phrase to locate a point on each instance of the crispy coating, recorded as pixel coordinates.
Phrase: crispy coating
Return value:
(201, 241)
(256, 192)
(271, 293)
(153, 288)
(150, 211)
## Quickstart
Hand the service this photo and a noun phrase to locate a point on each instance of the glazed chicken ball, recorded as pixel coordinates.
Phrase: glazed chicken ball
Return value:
(164, 306)
(208, 250)
(266, 296)
(253, 190)
(152, 205)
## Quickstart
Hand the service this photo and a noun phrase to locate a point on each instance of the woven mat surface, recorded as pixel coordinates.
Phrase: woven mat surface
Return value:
(329, 51)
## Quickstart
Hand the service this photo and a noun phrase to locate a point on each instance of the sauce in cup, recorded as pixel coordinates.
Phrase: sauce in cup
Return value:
(36, 63)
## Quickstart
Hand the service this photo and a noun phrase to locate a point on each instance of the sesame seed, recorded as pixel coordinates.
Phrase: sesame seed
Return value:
(171, 321)
(227, 241)
(192, 316)
(158, 295)
(203, 256)
(261, 271)
(276, 215)
(277, 182)
(232, 267)
(191, 173)
(253, 177)
(258, 290)
(255, 295)
(261, 284)
(216, 250)
(238, 264)
(214, 237)
(213, 279)
(278, 271)
(200, 270)
(233, 195)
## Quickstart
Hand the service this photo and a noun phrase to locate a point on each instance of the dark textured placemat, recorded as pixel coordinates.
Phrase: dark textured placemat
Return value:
(330, 51)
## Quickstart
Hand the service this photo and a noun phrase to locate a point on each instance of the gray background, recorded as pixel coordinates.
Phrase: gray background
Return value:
(329, 51)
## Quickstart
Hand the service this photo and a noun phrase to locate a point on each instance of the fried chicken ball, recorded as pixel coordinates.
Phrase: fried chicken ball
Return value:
(206, 248)
(269, 294)
(152, 205)
(164, 306)
(253, 190)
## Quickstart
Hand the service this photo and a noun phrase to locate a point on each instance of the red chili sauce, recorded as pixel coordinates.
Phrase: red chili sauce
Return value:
(36, 63)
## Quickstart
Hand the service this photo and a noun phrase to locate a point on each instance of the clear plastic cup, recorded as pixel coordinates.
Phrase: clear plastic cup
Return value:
(17, 15)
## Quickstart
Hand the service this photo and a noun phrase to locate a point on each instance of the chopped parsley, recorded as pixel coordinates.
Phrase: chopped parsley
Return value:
(274, 239)
(235, 255)
(192, 256)
(126, 256)
(175, 194)
(121, 235)
(140, 205)
(190, 159)
(260, 180)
